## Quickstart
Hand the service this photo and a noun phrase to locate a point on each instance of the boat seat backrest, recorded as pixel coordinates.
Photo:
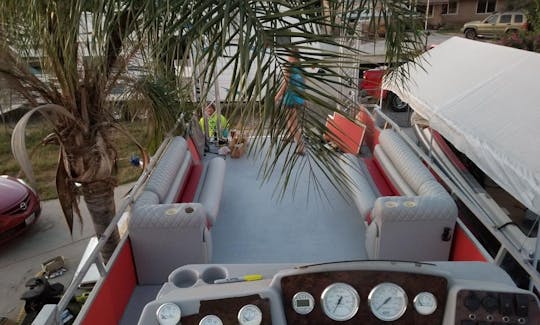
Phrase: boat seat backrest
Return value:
(171, 171)
(419, 224)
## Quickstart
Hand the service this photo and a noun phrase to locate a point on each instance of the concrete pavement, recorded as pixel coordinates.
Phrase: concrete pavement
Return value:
(21, 258)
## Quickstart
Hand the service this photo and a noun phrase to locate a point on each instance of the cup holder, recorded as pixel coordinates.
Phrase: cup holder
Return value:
(213, 273)
(184, 278)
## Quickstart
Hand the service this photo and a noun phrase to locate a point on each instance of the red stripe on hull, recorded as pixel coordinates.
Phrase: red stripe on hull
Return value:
(113, 296)
(463, 248)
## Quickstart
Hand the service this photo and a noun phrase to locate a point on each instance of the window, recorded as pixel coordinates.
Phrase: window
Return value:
(505, 19)
(485, 6)
(518, 18)
(492, 19)
(422, 10)
(449, 8)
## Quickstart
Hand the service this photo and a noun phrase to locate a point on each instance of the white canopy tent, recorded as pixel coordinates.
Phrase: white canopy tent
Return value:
(485, 99)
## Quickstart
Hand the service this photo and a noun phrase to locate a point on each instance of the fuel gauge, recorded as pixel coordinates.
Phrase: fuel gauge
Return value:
(250, 315)
(425, 303)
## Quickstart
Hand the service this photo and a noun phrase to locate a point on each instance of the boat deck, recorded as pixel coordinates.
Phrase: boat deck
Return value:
(255, 225)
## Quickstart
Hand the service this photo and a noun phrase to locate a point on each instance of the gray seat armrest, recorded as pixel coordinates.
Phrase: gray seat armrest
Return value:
(359, 184)
(211, 188)
(164, 236)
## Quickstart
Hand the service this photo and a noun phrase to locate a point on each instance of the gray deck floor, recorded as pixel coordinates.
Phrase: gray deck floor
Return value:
(255, 226)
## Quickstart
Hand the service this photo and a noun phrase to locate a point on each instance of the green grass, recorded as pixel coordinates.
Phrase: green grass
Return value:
(44, 160)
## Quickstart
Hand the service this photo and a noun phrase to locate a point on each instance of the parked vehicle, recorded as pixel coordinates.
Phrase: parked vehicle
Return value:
(19, 207)
(496, 25)
(370, 85)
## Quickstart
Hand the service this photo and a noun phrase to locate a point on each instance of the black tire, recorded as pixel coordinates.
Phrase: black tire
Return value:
(396, 104)
(470, 33)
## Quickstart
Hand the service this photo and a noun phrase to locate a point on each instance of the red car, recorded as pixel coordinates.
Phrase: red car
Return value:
(19, 207)
(370, 85)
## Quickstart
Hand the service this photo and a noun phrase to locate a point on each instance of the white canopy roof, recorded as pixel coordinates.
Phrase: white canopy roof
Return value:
(485, 99)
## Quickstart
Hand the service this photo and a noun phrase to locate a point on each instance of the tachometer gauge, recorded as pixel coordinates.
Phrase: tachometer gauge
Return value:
(168, 314)
(387, 301)
(250, 315)
(340, 301)
(210, 320)
(303, 303)
(425, 303)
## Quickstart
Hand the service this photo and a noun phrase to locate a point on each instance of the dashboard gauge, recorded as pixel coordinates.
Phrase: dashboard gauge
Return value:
(303, 303)
(168, 314)
(250, 315)
(340, 301)
(211, 320)
(425, 303)
(387, 301)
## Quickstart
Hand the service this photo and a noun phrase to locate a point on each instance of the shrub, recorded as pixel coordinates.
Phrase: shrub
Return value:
(526, 40)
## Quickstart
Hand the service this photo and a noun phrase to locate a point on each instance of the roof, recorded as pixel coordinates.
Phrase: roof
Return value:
(484, 99)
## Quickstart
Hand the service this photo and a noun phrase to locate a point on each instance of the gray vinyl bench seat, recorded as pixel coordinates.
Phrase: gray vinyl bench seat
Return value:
(417, 224)
(165, 234)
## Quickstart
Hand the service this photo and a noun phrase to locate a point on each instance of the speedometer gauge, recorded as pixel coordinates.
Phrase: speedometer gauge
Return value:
(340, 301)
(387, 301)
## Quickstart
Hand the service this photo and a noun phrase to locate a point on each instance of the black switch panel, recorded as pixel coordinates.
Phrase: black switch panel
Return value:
(490, 303)
(522, 305)
(472, 302)
(506, 304)
(468, 322)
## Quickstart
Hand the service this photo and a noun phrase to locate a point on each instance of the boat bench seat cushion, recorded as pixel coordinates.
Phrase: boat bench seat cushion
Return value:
(187, 237)
(171, 173)
(418, 225)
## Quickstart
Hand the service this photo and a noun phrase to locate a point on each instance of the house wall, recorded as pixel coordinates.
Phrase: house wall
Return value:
(466, 12)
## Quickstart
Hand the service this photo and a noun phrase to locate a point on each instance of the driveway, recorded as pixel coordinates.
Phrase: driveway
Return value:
(21, 258)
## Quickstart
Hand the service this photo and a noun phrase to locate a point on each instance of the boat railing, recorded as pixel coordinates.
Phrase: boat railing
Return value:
(478, 196)
(525, 258)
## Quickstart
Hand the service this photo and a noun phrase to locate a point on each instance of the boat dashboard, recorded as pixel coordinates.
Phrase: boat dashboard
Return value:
(358, 292)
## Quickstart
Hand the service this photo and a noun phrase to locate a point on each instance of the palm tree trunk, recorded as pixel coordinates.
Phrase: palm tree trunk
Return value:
(99, 198)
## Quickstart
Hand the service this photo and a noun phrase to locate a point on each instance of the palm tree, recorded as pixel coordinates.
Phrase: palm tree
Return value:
(85, 49)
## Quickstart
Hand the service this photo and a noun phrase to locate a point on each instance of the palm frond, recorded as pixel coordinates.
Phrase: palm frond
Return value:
(18, 139)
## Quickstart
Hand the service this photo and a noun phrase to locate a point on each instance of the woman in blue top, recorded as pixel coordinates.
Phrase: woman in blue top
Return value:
(291, 93)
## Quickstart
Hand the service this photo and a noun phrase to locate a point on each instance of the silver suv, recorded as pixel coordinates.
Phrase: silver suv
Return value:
(496, 25)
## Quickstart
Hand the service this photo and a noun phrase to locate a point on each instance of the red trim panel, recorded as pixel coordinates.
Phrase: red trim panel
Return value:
(463, 248)
(447, 151)
(384, 188)
(113, 296)
(194, 174)
(371, 135)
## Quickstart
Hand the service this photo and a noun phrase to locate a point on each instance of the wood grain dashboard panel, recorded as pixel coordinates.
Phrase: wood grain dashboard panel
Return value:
(227, 309)
(363, 282)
